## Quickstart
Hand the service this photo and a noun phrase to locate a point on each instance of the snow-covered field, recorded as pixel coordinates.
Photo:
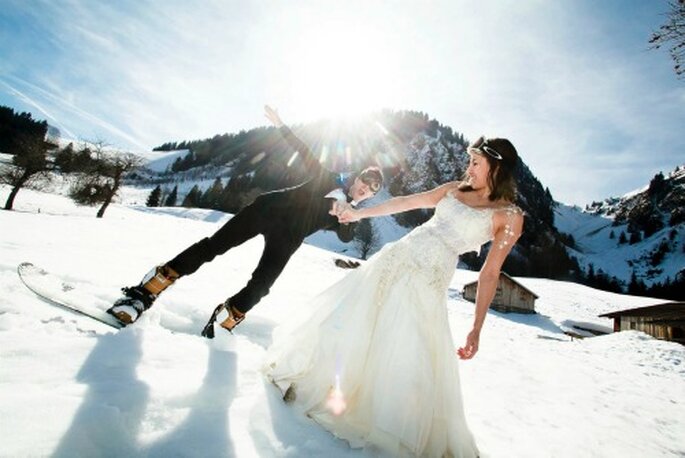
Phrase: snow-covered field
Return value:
(73, 387)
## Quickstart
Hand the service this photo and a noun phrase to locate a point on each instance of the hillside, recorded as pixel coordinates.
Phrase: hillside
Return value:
(639, 236)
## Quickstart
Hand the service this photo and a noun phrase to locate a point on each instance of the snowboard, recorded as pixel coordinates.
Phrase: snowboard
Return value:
(62, 294)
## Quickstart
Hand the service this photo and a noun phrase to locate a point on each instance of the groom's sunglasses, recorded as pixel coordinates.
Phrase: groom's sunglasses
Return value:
(481, 145)
(371, 179)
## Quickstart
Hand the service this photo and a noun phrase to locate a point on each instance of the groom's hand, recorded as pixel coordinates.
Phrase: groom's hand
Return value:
(349, 215)
(272, 115)
(338, 208)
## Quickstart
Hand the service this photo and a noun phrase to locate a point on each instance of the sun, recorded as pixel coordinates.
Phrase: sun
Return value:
(345, 70)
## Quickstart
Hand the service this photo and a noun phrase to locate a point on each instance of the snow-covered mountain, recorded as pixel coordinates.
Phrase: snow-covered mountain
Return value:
(416, 152)
(640, 235)
(72, 387)
(634, 241)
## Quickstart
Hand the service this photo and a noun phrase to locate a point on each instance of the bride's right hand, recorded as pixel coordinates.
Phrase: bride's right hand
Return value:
(469, 350)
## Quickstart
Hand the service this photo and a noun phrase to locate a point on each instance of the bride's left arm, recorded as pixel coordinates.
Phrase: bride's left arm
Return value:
(427, 199)
(507, 228)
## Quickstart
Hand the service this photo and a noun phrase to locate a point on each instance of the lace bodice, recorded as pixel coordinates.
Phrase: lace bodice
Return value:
(432, 249)
(456, 226)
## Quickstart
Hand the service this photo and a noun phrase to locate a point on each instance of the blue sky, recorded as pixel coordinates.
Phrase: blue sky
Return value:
(592, 111)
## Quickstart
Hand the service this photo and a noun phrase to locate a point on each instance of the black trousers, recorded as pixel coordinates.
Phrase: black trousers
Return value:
(253, 220)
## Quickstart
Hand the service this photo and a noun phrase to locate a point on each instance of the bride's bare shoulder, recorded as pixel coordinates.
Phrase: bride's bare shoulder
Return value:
(453, 187)
(508, 216)
(508, 207)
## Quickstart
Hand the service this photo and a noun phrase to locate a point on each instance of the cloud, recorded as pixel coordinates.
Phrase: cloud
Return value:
(37, 106)
(68, 110)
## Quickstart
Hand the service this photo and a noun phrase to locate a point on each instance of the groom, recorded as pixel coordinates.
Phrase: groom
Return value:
(284, 217)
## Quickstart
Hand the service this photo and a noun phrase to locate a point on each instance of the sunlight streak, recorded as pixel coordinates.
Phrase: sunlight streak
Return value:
(292, 158)
(352, 72)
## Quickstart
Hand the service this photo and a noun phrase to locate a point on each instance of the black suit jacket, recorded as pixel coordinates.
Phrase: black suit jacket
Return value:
(302, 209)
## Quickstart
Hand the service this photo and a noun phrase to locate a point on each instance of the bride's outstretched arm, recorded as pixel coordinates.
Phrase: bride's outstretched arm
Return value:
(508, 226)
(427, 199)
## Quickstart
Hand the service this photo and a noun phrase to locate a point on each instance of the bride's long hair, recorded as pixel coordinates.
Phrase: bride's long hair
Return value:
(502, 159)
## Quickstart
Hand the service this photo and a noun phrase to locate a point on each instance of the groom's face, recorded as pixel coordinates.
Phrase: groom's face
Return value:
(359, 190)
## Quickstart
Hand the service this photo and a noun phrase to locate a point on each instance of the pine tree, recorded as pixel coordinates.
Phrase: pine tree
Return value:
(636, 287)
(154, 197)
(192, 199)
(170, 201)
(212, 196)
(591, 274)
(622, 238)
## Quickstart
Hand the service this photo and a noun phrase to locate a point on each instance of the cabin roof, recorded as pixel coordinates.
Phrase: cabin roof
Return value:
(665, 312)
(510, 278)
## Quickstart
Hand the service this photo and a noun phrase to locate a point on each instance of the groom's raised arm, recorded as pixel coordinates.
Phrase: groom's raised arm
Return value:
(310, 161)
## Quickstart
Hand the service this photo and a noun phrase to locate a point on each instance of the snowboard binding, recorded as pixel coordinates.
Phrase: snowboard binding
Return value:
(228, 317)
(137, 299)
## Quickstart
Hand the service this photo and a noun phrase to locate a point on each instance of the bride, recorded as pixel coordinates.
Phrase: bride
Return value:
(371, 358)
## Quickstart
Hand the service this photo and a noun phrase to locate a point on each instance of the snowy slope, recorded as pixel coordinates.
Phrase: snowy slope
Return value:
(592, 234)
(72, 387)
(161, 161)
(598, 239)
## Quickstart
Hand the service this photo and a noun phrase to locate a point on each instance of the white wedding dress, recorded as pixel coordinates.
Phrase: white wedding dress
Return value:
(381, 336)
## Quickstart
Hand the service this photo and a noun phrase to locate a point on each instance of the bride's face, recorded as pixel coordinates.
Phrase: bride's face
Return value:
(477, 171)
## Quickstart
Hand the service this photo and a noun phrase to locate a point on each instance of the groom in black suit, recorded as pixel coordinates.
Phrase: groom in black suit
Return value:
(284, 217)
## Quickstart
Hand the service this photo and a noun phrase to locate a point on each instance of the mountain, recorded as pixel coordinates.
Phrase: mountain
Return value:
(638, 238)
(630, 243)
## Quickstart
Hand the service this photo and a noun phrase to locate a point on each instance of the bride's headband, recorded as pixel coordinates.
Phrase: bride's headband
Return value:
(481, 146)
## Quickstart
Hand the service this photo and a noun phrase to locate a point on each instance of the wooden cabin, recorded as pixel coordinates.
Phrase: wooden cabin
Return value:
(511, 296)
(664, 321)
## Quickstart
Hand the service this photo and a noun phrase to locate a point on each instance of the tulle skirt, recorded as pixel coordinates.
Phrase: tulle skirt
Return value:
(372, 360)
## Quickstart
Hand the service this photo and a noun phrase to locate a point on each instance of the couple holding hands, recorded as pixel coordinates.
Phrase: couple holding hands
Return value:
(371, 358)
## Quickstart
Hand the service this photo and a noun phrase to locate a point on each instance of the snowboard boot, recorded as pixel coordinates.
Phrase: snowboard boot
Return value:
(137, 299)
(228, 317)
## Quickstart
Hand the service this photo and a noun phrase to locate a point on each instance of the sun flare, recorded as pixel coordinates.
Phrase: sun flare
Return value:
(345, 70)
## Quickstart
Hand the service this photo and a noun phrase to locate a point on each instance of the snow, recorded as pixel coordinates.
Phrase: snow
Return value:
(160, 161)
(72, 387)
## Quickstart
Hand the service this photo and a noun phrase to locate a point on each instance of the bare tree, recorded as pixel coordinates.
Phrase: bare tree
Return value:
(672, 34)
(29, 168)
(99, 181)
